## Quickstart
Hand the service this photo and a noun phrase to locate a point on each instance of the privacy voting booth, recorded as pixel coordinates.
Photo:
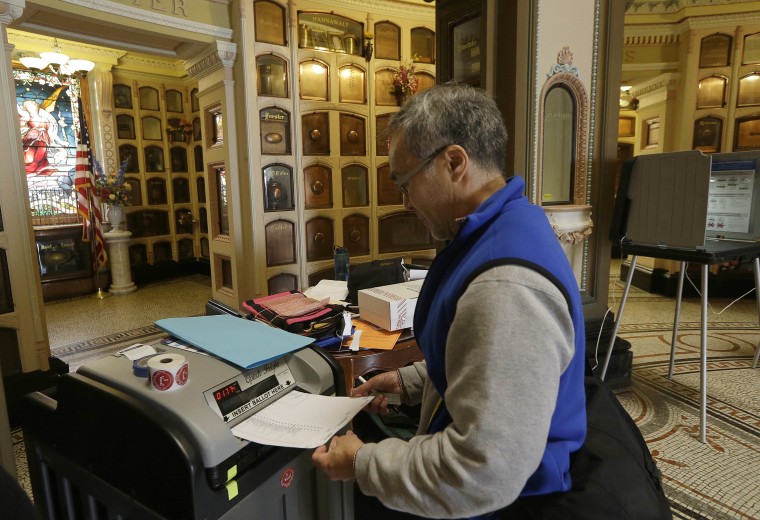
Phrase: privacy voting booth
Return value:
(691, 208)
(104, 444)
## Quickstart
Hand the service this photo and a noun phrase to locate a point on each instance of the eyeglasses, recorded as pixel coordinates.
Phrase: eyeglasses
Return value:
(402, 179)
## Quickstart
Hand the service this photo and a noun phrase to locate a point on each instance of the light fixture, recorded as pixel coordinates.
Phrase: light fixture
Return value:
(58, 62)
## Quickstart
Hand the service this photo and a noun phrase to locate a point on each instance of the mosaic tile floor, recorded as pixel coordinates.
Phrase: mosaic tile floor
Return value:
(720, 479)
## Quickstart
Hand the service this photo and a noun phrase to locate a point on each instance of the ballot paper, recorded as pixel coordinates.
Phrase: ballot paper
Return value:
(300, 420)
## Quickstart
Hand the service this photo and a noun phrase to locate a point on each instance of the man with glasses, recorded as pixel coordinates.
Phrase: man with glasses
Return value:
(499, 321)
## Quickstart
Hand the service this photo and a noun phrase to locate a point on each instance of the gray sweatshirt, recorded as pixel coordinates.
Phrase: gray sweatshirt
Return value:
(510, 340)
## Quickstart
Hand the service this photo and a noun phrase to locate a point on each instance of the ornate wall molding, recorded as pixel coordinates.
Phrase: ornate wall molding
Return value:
(669, 83)
(559, 75)
(673, 6)
(10, 10)
(651, 39)
(134, 13)
(382, 7)
(220, 54)
(572, 234)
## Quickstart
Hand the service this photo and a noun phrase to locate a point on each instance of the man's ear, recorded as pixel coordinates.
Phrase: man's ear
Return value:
(458, 162)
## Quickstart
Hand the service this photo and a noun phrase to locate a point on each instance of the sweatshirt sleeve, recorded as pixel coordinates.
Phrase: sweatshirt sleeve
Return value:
(511, 339)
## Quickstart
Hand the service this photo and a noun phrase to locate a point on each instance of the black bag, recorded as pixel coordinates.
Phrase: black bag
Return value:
(373, 274)
(614, 475)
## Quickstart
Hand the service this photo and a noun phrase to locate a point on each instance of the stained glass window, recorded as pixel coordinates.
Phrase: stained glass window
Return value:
(48, 112)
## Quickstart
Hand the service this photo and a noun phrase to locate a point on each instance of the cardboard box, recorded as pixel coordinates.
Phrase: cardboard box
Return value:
(390, 306)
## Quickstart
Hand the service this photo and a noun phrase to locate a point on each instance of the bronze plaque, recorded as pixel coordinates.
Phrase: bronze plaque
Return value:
(747, 133)
(423, 45)
(272, 77)
(356, 234)
(149, 98)
(156, 190)
(715, 50)
(317, 186)
(270, 22)
(222, 202)
(385, 91)
(122, 96)
(173, 101)
(198, 158)
(181, 190)
(125, 127)
(425, 80)
(128, 154)
(387, 41)
(711, 92)
(281, 242)
(381, 134)
(327, 273)
(353, 135)
(749, 90)
(355, 186)
(151, 129)
(626, 126)
(154, 159)
(320, 239)
(403, 231)
(313, 79)
(183, 218)
(178, 157)
(387, 192)
(283, 282)
(751, 49)
(707, 134)
(278, 188)
(351, 88)
(135, 196)
(466, 38)
(315, 129)
(162, 252)
(275, 131)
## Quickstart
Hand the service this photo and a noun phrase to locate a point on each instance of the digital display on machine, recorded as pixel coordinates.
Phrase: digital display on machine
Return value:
(230, 397)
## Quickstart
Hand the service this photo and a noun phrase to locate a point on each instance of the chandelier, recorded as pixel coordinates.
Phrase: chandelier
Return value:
(57, 62)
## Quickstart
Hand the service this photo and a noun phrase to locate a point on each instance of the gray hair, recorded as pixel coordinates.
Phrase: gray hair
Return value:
(453, 113)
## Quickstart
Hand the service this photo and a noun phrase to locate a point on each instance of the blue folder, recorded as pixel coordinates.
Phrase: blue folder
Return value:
(243, 342)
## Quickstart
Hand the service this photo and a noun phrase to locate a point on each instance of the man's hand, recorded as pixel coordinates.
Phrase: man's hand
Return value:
(385, 383)
(338, 460)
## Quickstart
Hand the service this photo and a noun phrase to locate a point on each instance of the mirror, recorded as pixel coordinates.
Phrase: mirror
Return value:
(558, 154)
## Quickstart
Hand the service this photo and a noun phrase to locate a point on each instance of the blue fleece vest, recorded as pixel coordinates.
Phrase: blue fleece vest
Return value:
(507, 229)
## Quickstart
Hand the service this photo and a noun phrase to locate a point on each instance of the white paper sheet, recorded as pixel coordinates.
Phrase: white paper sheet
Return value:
(300, 420)
(336, 290)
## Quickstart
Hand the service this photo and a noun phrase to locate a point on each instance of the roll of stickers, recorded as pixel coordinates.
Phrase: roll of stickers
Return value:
(140, 367)
(167, 372)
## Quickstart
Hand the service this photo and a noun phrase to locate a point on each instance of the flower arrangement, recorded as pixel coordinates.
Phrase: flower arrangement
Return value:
(113, 189)
(180, 126)
(405, 80)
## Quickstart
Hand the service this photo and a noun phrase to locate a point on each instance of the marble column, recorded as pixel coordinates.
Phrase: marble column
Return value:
(118, 257)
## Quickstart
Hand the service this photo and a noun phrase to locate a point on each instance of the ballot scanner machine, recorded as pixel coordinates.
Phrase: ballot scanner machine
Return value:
(105, 444)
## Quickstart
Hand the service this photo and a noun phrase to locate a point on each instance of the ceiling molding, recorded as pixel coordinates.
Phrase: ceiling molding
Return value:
(134, 13)
(412, 9)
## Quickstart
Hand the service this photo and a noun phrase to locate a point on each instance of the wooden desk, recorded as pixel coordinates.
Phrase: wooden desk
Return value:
(355, 364)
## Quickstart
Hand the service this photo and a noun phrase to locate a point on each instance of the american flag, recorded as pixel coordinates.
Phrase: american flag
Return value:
(88, 206)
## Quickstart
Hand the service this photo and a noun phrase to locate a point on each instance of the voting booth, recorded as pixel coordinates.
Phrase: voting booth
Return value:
(106, 444)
